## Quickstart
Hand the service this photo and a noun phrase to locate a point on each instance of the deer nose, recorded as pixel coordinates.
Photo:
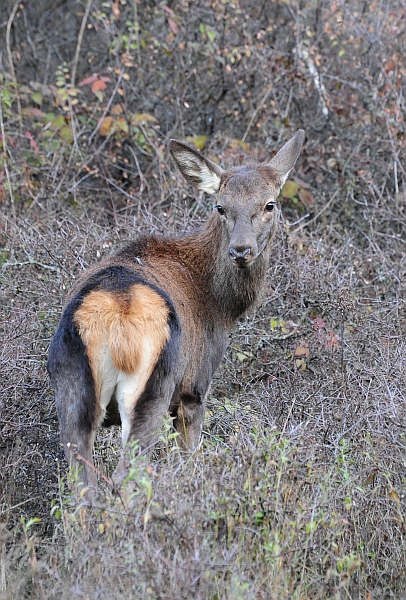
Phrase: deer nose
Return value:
(239, 255)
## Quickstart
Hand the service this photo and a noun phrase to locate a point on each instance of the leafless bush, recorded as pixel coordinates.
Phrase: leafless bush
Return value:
(299, 489)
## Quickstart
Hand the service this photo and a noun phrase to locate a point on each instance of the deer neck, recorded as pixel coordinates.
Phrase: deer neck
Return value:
(235, 290)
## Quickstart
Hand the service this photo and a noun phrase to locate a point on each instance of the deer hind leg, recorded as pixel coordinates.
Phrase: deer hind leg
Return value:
(75, 398)
(143, 399)
(126, 336)
(81, 409)
(77, 439)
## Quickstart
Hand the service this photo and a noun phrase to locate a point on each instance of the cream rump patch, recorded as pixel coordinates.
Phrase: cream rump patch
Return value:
(123, 322)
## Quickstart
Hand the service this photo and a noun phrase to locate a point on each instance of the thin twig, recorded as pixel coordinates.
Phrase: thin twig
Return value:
(304, 55)
(81, 458)
(137, 40)
(11, 63)
(256, 111)
(29, 262)
(106, 110)
(143, 180)
(325, 207)
(395, 176)
(3, 136)
(80, 40)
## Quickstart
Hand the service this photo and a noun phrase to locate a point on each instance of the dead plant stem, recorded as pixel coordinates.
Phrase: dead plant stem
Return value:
(11, 63)
(80, 40)
(3, 135)
(137, 40)
(259, 107)
(106, 110)
(325, 207)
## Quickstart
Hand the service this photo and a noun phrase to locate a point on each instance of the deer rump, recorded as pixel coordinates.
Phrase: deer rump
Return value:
(143, 332)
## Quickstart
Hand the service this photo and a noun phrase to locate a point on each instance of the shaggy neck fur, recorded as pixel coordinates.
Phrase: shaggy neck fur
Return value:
(234, 289)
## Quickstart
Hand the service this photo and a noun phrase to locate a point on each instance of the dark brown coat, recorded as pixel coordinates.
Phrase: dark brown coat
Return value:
(143, 332)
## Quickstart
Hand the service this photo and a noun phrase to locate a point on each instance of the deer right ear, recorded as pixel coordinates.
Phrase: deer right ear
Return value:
(196, 168)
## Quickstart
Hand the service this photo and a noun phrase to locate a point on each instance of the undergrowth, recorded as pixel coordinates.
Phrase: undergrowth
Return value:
(298, 489)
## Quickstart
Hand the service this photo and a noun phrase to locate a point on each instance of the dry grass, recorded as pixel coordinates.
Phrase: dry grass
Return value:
(299, 488)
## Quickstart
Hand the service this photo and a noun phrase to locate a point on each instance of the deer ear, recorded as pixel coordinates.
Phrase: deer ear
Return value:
(285, 159)
(196, 168)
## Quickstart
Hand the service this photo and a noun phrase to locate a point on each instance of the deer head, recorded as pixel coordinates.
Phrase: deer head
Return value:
(246, 196)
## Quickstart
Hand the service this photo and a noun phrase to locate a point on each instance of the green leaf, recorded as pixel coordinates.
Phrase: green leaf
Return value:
(290, 189)
(37, 98)
(99, 95)
(311, 526)
(66, 132)
(274, 324)
(58, 122)
(31, 522)
(211, 34)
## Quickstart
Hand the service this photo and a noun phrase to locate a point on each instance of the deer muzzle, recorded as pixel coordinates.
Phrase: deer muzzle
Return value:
(241, 256)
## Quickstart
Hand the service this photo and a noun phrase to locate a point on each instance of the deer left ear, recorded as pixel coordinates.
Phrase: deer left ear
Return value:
(196, 168)
(285, 159)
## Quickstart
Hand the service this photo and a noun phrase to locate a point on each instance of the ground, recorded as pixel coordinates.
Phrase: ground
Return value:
(299, 488)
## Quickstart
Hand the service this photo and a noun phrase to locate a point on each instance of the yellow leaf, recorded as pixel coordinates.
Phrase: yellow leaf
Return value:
(290, 189)
(198, 140)
(142, 118)
(236, 143)
(37, 98)
(121, 125)
(106, 126)
(117, 109)
(394, 495)
(300, 364)
(371, 477)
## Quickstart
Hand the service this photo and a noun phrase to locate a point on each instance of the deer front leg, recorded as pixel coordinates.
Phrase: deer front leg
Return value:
(188, 420)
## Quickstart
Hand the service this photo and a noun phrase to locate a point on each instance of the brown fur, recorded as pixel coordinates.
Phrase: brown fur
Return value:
(144, 331)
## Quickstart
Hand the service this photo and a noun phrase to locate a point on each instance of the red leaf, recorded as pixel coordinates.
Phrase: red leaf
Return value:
(173, 26)
(318, 323)
(98, 86)
(115, 8)
(302, 352)
(332, 340)
(88, 80)
(169, 10)
(306, 198)
(33, 143)
(31, 111)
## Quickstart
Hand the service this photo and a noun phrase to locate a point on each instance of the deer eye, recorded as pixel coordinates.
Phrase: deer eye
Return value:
(220, 209)
(270, 206)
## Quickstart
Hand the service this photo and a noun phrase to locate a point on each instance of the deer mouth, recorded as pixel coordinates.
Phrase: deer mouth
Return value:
(241, 257)
(243, 265)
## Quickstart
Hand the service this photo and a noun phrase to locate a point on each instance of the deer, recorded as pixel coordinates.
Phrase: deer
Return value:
(143, 332)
